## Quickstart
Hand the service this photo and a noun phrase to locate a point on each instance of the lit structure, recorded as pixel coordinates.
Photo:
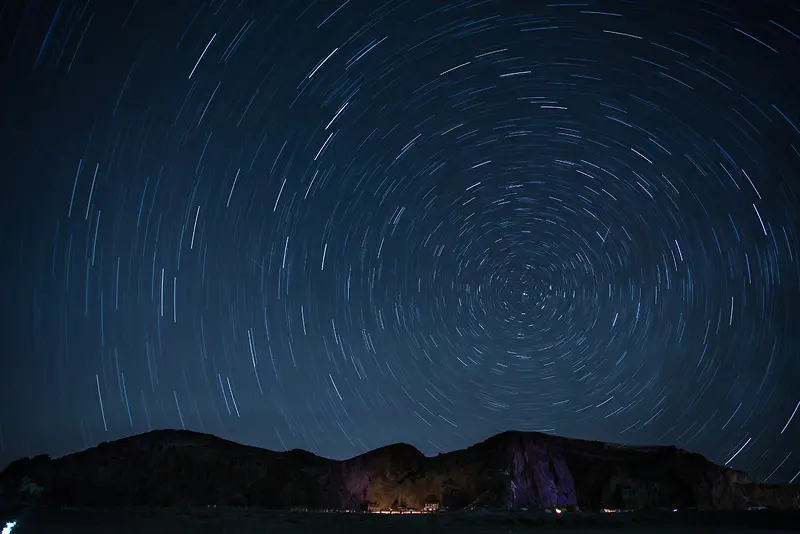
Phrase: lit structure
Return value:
(431, 504)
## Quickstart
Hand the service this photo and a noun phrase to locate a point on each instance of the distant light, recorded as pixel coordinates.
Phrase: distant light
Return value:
(558, 510)
(9, 526)
(675, 510)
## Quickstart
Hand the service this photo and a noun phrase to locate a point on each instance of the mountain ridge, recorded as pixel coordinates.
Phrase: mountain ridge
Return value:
(510, 470)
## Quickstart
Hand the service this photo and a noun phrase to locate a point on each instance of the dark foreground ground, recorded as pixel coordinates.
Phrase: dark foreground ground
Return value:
(240, 521)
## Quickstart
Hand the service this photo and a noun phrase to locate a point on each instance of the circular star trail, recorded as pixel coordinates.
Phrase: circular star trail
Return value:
(337, 225)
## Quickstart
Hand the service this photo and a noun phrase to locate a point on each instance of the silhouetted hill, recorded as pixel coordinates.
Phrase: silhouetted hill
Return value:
(509, 470)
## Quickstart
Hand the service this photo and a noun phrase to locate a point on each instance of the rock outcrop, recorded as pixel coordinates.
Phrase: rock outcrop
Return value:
(511, 470)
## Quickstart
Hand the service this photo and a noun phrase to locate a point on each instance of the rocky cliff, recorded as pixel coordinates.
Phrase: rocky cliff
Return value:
(510, 470)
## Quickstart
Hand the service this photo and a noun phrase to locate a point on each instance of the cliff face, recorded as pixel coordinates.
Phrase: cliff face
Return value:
(510, 470)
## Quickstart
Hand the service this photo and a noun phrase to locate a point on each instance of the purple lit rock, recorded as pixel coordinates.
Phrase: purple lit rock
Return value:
(541, 476)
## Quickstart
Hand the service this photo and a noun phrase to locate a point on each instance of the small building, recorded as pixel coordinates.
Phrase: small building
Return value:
(431, 504)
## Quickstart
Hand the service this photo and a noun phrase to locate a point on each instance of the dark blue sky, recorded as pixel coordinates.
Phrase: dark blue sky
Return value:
(338, 225)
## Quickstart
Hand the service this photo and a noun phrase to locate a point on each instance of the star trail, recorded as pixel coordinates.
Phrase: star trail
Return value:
(337, 225)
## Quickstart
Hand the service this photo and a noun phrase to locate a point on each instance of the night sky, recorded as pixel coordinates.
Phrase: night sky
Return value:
(334, 226)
